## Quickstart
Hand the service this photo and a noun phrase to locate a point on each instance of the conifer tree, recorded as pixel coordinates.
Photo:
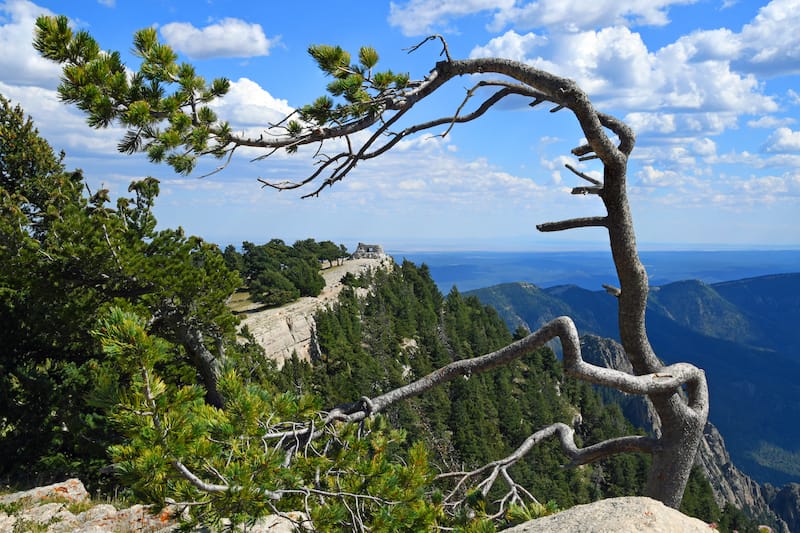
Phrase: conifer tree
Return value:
(66, 257)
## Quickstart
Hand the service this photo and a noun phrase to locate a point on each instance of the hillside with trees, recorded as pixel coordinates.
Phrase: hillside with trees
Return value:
(276, 273)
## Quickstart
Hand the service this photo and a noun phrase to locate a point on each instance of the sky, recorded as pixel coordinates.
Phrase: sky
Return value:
(710, 87)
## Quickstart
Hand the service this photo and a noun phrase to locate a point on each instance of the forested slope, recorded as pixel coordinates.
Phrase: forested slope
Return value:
(405, 328)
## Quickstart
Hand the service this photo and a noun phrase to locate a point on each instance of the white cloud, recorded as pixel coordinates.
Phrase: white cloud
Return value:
(107, 3)
(614, 66)
(229, 37)
(577, 15)
(512, 45)
(442, 180)
(783, 140)
(704, 147)
(770, 121)
(662, 123)
(19, 62)
(417, 17)
(412, 185)
(248, 104)
(719, 44)
(650, 176)
(769, 43)
(63, 126)
(763, 185)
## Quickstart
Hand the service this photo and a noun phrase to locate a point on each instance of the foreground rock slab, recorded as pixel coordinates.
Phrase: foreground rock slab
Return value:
(616, 515)
(67, 508)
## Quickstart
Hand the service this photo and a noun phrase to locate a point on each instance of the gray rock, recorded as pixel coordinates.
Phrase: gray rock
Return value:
(71, 491)
(47, 509)
(615, 515)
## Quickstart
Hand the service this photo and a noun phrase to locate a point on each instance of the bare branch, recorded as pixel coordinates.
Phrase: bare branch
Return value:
(610, 289)
(668, 379)
(445, 51)
(566, 436)
(339, 172)
(625, 134)
(586, 222)
(582, 150)
(583, 175)
(587, 190)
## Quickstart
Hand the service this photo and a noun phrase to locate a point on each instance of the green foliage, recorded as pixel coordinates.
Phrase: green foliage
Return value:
(65, 259)
(518, 514)
(163, 105)
(698, 499)
(362, 89)
(733, 519)
(276, 273)
(351, 474)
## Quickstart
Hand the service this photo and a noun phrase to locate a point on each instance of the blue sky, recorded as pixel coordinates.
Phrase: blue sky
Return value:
(710, 86)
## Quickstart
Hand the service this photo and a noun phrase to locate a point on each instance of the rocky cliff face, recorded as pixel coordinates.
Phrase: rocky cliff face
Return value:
(289, 328)
(730, 485)
(786, 503)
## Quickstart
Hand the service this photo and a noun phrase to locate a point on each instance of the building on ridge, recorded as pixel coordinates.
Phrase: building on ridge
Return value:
(369, 251)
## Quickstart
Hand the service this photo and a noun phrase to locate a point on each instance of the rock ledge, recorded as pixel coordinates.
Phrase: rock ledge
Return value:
(616, 515)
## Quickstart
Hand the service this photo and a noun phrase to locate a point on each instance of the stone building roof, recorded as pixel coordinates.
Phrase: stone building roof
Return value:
(369, 251)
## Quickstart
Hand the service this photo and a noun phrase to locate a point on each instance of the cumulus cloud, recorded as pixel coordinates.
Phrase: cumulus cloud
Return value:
(704, 147)
(19, 62)
(440, 179)
(229, 37)
(248, 104)
(614, 65)
(60, 124)
(769, 43)
(650, 176)
(512, 45)
(783, 140)
(417, 17)
(770, 121)
(577, 15)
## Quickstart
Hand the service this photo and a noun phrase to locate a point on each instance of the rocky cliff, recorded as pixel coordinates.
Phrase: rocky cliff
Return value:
(786, 503)
(287, 329)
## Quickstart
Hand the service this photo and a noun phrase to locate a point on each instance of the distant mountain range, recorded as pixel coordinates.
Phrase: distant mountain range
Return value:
(745, 334)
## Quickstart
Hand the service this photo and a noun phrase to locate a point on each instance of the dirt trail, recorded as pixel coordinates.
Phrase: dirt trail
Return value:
(285, 329)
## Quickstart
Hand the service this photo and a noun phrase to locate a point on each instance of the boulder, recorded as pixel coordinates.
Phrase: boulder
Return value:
(69, 491)
(50, 509)
(616, 515)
